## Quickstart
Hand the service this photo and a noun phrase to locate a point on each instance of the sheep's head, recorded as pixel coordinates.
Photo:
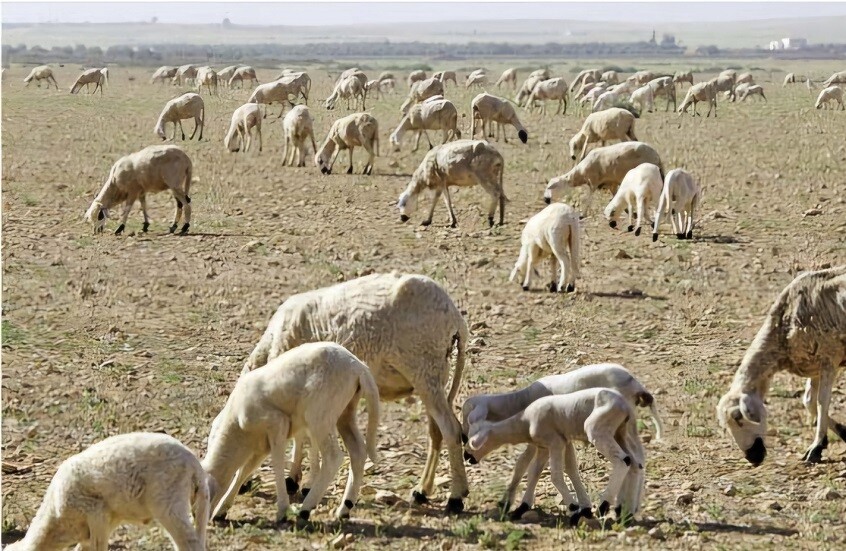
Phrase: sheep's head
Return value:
(480, 443)
(395, 141)
(555, 187)
(745, 416)
(576, 142)
(472, 413)
(329, 104)
(97, 214)
(407, 204)
(321, 159)
(160, 130)
(612, 214)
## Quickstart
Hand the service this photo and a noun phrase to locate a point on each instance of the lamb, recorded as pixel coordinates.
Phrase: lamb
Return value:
(701, 91)
(185, 75)
(42, 72)
(789, 78)
(186, 106)
(604, 167)
(241, 74)
(403, 327)
(804, 333)
(836, 78)
(745, 90)
(297, 126)
(445, 76)
(97, 77)
(421, 91)
(644, 99)
(553, 232)
(509, 76)
(312, 389)
(683, 76)
(476, 79)
(435, 113)
(611, 77)
(641, 188)
(358, 129)
(225, 75)
(497, 407)
(744, 78)
(601, 416)
(612, 124)
(592, 95)
(163, 74)
(244, 119)
(463, 163)
(373, 87)
(416, 76)
(492, 109)
(729, 73)
(135, 477)
(348, 88)
(679, 198)
(834, 93)
(552, 89)
(206, 76)
(589, 87)
(278, 91)
(153, 169)
(664, 86)
(723, 83)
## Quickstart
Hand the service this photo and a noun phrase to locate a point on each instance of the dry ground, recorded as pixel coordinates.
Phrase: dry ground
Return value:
(105, 334)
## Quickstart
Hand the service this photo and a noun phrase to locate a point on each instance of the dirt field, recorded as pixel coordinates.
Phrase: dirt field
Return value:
(106, 334)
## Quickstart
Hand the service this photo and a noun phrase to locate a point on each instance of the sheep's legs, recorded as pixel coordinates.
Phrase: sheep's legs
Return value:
(825, 382)
(143, 200)
(177, 523)
(530, 267)
(99, 530)
(278, 440)
(535, 469)
(453, 221)
(357, 451)
(435, 197)
(571, 467)
(196, 126)
(641, 207)
(182, 130)
(809, 399)
(520, 468)
(350, 169)
(241, 476)
(521, 263)
(331, 459)
(295, 473)
(371, 158)
(588, 200)
(428, 479)
(556, 473)
(562, 256)
(126, 209)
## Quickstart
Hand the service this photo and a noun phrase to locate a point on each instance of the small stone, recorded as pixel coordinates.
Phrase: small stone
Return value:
(340, 542)
(622, 254)
(730, 490)
(812, 212)
(252, 246)
(530, 517)
(692, 486)
(774, 506)
(387, 497)
(827, 494)
(684, 499)
(656, 533)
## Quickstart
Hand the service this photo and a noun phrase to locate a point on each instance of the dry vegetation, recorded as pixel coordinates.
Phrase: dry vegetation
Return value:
(105, 334)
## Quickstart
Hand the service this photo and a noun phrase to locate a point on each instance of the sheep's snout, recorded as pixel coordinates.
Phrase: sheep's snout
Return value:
(757, 452)
(523, 135)
(547, 200)
(325, 170)
(404, 218)
(613, 223)
(573, 157)
(470, 459)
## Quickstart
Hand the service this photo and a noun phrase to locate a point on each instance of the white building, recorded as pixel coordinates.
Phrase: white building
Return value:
(794, 43)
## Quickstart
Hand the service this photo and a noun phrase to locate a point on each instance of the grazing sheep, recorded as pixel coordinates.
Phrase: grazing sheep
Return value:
(640, 188)
(358, 129)
(476, 79)
(277, 91)
(664, 86)
(611, 77)
(225, 75)
(185, 75)
(348, 88)
(608, 99)
(644, 99)
(445, 76)
(97, 77)
(831, 93)
(403, 327)
(297, 126)
(435, 113)
(387, 85)
(604, 167)
(552, 89)
(241, 74)
(462, 163)
(730, 73)
(134, 478)
(744, 78)
(163, 74)
(554, 233)
(312, 389)
(592, 95)
(789, 78)
(589, 87)
(206, 76)
(641, 77)
(683, 76)
(804, 333)
(42, 72)
(600, 416)
(153, 169)
(385, 75)
(594, 75)
(679, 198)
(244, 119)
(509, 76)
(529, 84)
(723, 83)
(421, 91)
(701, 91)
(186, 106)
(299, 79)
(373, 87)
(612, 124)
(836, 78)
(416, 76)
(490, 109)
(745, 90)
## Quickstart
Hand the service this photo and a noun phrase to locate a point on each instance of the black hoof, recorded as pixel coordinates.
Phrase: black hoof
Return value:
(680, 236)
(604, 507)
(119, 230)
(523, 135)
(348, 504)
(574, 519)
(571, 288)
(518, 513)
(637, 232)
(573, 507)
(553, 287)
(455, 505)
(305, 491)
(586, 512)
(426, 223)
(172, 229)
(690, 234)
(613, 223)
(840, 430)
(304, 515)
(618, 511)
(453, 225)
(654, 237)
(403, 218)
(490, 221)
(184, 229)
(504, 505)
(813, 455)
(220, 518)
(630, 228)
(145, 227)
(291, 486)
(419, 497)
(349, 170)
(525, 287)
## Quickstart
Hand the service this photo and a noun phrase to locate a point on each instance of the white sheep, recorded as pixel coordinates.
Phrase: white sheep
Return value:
(312, 391)
(299, 79)
(135, 478)
(489, 109)
(641, 77)
(374, 88)
(664, 86)
(600, 416)
(206, 76)
(416, 76)
(609, 98)
(745, 90)
(611, 77)
(163, 74)
(723, 83)
(186, 106)
(836, 78)
(644, 99)
(421, 91)
(552, 233)
(641, 189)
(445, 76)
(462, 163)
(241, 74)
(679, 198)
(277, 91)
(804, 333)
(476, 79)
(744, 78)
(349, 88)
(683, 76)
(244, 119)
(701, 91)
(97, 77)
(153, 169)
(185, 74)
(403, 327)
(42, 72)
(388, 85)
(298, 125)
(552, 89)
(358, 129)
(435, 113)
(789, 78)
(612, 124)
(385, 75)
(509, 76)
(225, 74)
(529, 84)
(603, 167)
(593, 75)
(832, 93)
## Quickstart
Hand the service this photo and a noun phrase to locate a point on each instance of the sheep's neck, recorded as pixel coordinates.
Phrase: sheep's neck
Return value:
(514, 430)
(761, 361)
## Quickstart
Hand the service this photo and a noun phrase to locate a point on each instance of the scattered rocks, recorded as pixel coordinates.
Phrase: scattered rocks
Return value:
(773, 506)
(684, 499)
(730, 490)
(621, 254)
(343, 540)
(657, 534)
(827, 494)
(387, 497)
(812, 212)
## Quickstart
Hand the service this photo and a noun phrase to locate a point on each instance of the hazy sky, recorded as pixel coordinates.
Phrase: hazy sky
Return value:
(314, 13)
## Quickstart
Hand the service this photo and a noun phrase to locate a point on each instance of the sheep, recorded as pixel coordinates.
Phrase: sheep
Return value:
(831, 93)
(163, 74)
(348, 88)
(352, 71)
(462, 163)
(135, 478)
(683, 76)
(664, 86)
(478, 80)
(612, 124)
(445, 76)
(385, 75)
(416, 76)
(241, 74)
(552, 89)
(804, 333)
(789, 78)
(225, 74)
(497, 407)
(644, 99)
(435, 113)
(723, 83)
(729, 73)
(358, 129)
(42, 72)
(185, 75)
(641, 77)
(553, 232)
(97, 77)
(589, 87)
(277, 91)
(153, 169)
(640, 188)
(421, 91)
(297, 126)
(601, 416)
(594, 74)
(186, 106)
(312, 389)
(206, 76)
(529, 84)
(611, 77)
(745, 90)
(509, 76)
(244, 119)
(744, 78)
(836, 78)
(387, 85)
(373, 87)
(701, 91)
(403, 327)
(298, 79)
(680, 197)
(490, 109)
(604, 167)
(592, 95)
(608, 99)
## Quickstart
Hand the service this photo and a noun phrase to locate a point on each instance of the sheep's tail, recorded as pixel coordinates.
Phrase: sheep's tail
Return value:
(202, 505)
(645, 399)
(370, 393)
(460, 338)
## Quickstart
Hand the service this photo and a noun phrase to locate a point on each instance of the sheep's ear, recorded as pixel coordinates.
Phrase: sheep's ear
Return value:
(478, 440)
(476, 414)
(752, 408)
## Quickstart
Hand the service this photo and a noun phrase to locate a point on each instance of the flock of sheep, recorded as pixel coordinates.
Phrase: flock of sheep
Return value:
(388, 336)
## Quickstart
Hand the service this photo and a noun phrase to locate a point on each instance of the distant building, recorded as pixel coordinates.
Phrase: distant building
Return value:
(776, 45)
(794, 43)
